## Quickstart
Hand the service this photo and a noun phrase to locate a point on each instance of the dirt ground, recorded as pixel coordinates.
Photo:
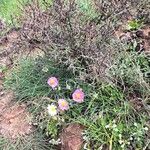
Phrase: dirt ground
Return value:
(14, 118)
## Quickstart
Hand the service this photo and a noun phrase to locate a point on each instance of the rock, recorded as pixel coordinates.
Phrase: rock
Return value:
(140, 33)
(71, 137)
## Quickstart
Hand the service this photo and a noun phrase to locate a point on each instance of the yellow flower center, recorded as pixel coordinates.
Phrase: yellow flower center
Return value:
(53, 109)
(63, 104)
(78, 95)
(52, 81)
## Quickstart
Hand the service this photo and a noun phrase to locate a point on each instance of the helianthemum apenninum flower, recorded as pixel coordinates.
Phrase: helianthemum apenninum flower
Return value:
(52, 110)
(63, 104)
(53, 82)
(78, 95)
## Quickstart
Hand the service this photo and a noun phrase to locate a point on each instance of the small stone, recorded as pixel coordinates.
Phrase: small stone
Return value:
(71, 137)
(140, 33)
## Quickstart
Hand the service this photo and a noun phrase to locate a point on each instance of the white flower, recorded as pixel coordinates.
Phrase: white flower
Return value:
(107, 126)
(128, 143)
(55, 142)
(62, 119)
(52, 110)
(138, 139)
(121, 141)
(131, 138)
(120, 136)
(95, 95)
(114, 126)
(45, 69)
(146, 128)
(123, 145)
(116, 129)
(59, 88)
(114, 121)
(68, 87)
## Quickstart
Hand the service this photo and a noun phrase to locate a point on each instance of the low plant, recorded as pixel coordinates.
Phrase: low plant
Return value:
(28, 77)
(107, 116)
(77, 41)
(134, 25)
(56, 99)
(34, 141)
(7, 8)
(130, 71)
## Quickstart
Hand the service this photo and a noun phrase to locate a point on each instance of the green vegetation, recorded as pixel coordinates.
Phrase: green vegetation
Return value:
(82, 53)
(134, 24)
(29, 77)
(108, 116)
(130, 69)
(34, 141)
(86, 6)
(11, 10)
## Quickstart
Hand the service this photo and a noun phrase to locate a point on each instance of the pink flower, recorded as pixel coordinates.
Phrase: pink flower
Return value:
(52, 82)
(78, 95)
(63, 104)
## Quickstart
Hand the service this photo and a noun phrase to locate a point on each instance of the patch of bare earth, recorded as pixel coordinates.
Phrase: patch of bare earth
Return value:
(14, 119)
(71, 137)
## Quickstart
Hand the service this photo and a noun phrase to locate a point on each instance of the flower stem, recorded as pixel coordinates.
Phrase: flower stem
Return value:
(110, 143)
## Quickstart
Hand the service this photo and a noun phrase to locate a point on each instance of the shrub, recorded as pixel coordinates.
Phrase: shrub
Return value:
(131, 72)
(77, 33)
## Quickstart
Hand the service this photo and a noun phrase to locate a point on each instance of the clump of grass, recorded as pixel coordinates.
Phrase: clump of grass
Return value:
(11, 11)
(107, 115)
(29, 77)
(34, 141)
